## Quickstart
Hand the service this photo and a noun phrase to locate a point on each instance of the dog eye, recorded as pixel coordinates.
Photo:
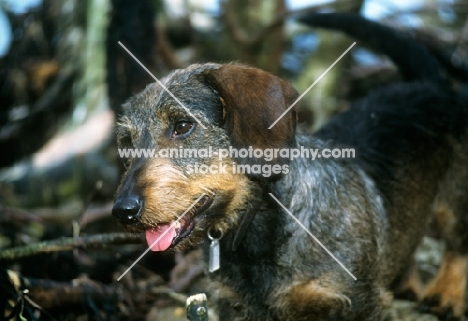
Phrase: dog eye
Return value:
(182, 128)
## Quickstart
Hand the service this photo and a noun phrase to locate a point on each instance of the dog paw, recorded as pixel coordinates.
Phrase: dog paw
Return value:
(445, 295)
(410, 287)
(446, 309)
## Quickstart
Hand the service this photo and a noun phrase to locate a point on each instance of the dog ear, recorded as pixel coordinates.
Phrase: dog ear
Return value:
(253, 100)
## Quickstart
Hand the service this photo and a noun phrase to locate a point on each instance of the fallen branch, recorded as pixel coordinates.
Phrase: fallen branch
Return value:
(70, 243)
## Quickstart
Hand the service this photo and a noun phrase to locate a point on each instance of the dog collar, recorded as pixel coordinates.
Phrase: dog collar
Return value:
(248, 217)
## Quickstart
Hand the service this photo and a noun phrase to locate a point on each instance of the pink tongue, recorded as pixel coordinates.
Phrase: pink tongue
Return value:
(160, 238)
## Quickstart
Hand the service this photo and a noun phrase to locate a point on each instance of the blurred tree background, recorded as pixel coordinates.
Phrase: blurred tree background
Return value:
(63, 80)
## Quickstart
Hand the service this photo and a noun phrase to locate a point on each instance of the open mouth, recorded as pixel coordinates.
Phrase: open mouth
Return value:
(164, 236)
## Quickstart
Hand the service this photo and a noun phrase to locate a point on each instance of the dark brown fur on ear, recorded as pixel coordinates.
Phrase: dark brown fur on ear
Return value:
(253, 99)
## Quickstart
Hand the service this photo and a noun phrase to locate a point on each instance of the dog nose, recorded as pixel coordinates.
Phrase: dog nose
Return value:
(127, 209)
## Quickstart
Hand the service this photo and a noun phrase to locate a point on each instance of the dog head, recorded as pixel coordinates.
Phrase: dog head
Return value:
(183, 177)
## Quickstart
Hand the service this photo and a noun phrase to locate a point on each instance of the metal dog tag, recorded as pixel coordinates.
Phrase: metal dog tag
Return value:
(214, 261)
